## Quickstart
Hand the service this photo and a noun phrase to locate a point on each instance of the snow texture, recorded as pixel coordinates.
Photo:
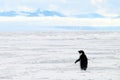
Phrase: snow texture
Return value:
(51, 55)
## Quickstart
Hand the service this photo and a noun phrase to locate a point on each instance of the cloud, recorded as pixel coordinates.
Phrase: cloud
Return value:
(95, 2)
(25, 8)
(106, 13)
(53, 7)
(61, 21)
(22, 23)
(70, 8)
(90, 15)
(31, 13)
(107, 8)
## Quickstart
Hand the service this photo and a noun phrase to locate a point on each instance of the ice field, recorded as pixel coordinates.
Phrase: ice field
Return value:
(51, 55)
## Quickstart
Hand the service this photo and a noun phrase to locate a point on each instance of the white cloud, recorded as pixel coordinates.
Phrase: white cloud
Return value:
(53, 7)
(106, 8)
(107, 14)
(24, 8)
(63, 6)
(97, 1)
(62, 21)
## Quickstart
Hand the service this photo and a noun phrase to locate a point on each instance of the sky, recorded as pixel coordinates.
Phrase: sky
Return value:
(30, 15)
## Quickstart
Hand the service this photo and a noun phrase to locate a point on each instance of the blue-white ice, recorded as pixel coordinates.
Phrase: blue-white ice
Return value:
(51, 55)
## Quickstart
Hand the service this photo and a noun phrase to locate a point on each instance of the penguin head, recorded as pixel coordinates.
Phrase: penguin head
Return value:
(81, 52)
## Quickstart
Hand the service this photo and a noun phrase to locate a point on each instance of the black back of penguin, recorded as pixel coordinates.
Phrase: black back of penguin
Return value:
(83, 60)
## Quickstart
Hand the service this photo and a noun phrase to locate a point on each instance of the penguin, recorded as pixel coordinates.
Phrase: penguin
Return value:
(83, 60)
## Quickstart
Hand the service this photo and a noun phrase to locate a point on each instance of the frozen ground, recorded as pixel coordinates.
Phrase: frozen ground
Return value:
(51, 55)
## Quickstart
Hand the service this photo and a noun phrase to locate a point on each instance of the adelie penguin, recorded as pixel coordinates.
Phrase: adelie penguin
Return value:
(83, 60)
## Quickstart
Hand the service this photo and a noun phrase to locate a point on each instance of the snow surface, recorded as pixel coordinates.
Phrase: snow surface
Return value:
(51, 55)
